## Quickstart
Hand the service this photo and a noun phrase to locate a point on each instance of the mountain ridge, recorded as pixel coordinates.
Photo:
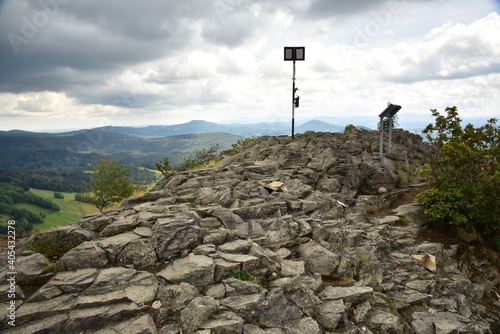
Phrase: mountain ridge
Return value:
(192, 127)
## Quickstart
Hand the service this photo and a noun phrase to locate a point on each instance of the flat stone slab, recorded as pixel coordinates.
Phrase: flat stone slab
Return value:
(347, 294)
(30, 267)
(197, 270)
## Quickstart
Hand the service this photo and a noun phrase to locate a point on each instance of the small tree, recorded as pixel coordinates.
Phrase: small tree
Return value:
(58, 195)
(164, 167)
(110, 183)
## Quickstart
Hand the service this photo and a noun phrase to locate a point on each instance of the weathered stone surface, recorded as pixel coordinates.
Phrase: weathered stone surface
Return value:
(385, 322)
(278, 311)
(224, 323)
(29, 268)
(86, 319)
(440, 322)
(318, 259)
(137, 286)
(196, 313)
(177, 296)
(140, 325)
(51, 324)
(347, 294)
(28, 312)
(172, 236)
(197, 270)
(65, 282)
(293, 216)
(292, 268)
(330, 313)
(86, 255)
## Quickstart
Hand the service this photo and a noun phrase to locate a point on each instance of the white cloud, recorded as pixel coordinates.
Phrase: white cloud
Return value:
(453, 51)
(162, 62)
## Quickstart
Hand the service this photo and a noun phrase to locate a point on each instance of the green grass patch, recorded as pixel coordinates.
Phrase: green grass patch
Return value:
(52, 248)
(71, 210)
(245, 275)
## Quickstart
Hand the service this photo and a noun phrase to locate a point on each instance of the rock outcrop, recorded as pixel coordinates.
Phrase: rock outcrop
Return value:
(279, 239)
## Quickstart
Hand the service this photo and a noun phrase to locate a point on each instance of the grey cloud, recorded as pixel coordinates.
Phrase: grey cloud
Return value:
(320, 9)
(86, 42)
(231, 31)
(76, 46)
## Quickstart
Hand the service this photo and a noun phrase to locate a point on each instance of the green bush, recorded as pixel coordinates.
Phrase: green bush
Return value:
(58, 195)
(464, 173)
(164, 167)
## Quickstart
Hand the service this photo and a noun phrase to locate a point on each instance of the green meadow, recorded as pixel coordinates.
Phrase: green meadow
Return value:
(71, 210)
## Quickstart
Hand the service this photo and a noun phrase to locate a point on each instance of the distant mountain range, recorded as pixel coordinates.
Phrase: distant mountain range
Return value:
(138, 146)
(196, 127)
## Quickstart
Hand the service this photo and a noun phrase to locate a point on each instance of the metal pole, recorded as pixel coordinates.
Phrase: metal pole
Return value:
(389, 146)
(381, 146)
(293, 100)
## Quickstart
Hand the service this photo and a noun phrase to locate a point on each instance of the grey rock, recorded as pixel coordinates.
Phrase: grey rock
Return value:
(69, 282)
(252, 329)
(197, 312)
(115, 284)
(177, 296)
(246, 262)
(86, 255)
(140, 325)
(292, 268)
(52, 324)
(318, 259)
(224, 323)
(244, 305)
(235, 247)
(173, 235)
(197, 270)
(119, 226)
(86, 319)
(384, 322)
(170, 329)
(440, 322)
(330, 313)
(278, 310)
(139, 253)
(352, 294)
(30, 268)
(35, 311)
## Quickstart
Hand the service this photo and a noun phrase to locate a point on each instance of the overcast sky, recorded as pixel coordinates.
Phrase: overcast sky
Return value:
(67, 64)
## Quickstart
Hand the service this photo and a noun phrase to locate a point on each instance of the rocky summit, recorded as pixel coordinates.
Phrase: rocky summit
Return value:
(290, 236)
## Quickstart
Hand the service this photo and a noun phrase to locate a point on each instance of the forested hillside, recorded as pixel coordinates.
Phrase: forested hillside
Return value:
(33, 151)
(61, 162)
(10, 197)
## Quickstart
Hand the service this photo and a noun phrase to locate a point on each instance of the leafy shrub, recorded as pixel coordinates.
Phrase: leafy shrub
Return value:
(201, 158)
(164, 167)
(464, 173)
(239, 146)
(58, 195)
